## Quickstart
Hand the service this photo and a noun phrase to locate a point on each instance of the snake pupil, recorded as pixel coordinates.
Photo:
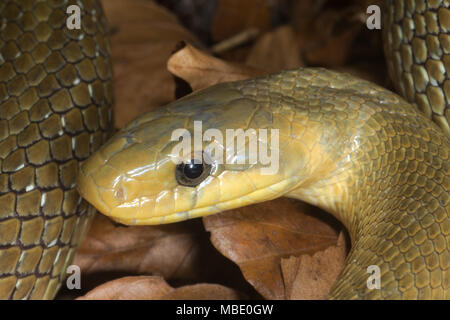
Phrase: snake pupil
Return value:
(191, 174)
(193, 170)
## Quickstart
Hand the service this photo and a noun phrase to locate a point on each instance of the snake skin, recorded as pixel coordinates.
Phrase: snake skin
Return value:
(55, 95)
(417, 47)
(55, 110)
(346, 145)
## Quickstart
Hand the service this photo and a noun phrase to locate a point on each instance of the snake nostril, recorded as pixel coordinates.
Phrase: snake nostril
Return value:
(121, 193)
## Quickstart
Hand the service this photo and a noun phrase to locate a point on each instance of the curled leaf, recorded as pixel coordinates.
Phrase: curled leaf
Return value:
(311, 277)
(175, 251)
(156, 288)
(257, 237)
(276, 50)
(143, 36)
(202, 70)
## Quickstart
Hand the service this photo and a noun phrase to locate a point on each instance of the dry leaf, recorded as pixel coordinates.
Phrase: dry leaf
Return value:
(156, 288)
(174, 251)
(304, 12)
(335, 50)
(311, 277)
(202, 70)
(204, 291)
(258, 236)
(235, 41)
(130, 288)
(235, 16)
(143, 37)
(275, 51)
(196, 15)
(326, 33)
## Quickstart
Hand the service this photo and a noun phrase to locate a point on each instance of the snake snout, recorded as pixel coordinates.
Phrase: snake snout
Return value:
(95, 183)
(89, 190)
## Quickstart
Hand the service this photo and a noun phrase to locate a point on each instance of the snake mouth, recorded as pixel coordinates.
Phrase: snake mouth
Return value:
(171, 218)
(194, 213)
(117, 214)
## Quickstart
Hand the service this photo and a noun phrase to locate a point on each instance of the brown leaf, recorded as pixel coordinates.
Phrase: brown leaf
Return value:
(234, 16)
(335, 50)
(326, 32)
(174, 251)
(275, 51)
(304, 12)
(130, 288)
(143, 37)
(258, 236)
(204, 291)
(156, 288)
(202, 70)
(235, 41)
(311, 277)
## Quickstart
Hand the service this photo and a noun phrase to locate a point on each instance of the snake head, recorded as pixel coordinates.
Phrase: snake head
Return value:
(142, 176)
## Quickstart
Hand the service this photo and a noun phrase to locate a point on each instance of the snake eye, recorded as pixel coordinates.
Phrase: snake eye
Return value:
(193, 170)
(191, 174)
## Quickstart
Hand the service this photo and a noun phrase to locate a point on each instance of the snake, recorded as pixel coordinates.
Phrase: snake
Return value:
(377, 161)
(55, 111)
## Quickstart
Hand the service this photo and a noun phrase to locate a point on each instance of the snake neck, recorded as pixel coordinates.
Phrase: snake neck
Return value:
(388, 183)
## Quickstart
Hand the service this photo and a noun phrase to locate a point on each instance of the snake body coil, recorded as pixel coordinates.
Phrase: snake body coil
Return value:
(417, 47)
(55, 110)
(346, 145)
(355, 149)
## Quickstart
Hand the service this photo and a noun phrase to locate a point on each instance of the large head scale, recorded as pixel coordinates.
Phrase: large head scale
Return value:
(137, 177)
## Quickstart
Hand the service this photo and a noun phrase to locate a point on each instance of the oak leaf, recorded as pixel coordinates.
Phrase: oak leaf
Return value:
(276, 50)
(175, 251)
(309, 277)
(234, 16)
(156, 288)
(201, 70)
(143, 36)
(258, 237)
